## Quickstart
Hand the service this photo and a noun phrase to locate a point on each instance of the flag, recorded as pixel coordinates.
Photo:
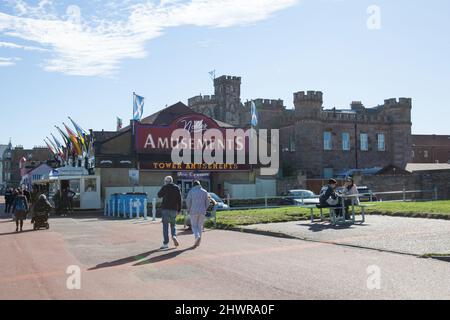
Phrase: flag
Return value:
(81, 134)
(254, 119)
(74, 141)
(138, 107)
(53, 145)
(59, 146)
(49, 147)
(119, 123)
(212, 74)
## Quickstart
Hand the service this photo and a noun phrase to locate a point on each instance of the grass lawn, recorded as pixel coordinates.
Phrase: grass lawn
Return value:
(230, 219)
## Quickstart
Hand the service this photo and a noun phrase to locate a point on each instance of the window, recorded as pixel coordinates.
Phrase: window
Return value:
(425, 154)
(90, 185)
(328, 173)
(381, 142)
(327, 140)
(364, 140)
(291, 144)
(345, 141)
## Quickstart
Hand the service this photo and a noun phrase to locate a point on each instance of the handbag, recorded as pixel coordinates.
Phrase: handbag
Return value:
(332, 202)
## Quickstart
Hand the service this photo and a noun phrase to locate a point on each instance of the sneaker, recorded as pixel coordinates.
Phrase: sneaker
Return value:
(164, 247)
(197, 242)
(175, 242)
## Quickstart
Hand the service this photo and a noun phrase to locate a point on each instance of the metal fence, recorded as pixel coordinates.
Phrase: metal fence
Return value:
(267, 202)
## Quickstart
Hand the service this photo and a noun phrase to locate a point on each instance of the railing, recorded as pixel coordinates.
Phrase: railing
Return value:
(111, 211)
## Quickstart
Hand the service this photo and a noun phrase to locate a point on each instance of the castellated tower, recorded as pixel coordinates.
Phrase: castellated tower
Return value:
(228, 96)
(308, 104)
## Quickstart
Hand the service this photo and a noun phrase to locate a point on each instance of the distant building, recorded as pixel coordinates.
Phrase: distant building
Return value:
(317, 141)
(430, 148)
(5, 156)
(28, 159)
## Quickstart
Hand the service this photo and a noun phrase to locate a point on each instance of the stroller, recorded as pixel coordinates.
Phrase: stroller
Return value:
(41, 213)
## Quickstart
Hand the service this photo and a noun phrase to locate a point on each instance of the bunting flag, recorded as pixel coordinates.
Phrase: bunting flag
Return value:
(74, 141)
(138, 107)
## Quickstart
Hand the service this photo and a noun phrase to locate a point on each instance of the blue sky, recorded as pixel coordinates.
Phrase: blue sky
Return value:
(84, 59)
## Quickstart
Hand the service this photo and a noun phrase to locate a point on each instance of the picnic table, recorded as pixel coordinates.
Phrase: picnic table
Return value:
(335, 219)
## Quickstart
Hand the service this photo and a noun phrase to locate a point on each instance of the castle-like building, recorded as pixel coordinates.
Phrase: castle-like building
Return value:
(316, 141)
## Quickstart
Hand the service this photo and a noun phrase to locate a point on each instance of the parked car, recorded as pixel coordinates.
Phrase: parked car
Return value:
(299, 197)
(366, 192)
(220, 204)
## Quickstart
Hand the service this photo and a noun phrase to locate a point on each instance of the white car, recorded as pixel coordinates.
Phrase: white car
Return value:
(299, 197)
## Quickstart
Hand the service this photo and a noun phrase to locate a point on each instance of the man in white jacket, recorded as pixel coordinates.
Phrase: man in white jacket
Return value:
(197, 203)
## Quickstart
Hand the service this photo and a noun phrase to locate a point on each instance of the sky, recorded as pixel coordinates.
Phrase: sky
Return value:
(84, 59)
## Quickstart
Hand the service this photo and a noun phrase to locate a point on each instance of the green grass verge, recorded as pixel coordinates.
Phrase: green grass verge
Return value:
(232, 219)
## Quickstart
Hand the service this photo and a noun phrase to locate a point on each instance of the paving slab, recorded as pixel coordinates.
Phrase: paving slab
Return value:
(415, 236)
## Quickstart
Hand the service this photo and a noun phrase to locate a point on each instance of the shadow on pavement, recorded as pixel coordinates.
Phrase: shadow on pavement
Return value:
(163, 257)
(14, 232)
(317, 227)
(124, 260)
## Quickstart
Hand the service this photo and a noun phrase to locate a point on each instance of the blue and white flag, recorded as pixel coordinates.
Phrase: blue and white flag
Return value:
(138, 107)
(254, 120)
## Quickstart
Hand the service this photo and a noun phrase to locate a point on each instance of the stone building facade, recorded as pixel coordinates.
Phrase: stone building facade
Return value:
(317, 141)
(431, 148)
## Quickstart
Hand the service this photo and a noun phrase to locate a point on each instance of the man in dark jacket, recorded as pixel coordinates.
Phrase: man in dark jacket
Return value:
(170, 207)
(328, 195)
(8, 200)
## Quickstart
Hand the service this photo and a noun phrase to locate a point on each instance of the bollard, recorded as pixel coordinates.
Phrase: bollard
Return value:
(435, 194)
(404, 194)
(145, 208)
(154, 209)
(113, 209)
(371, 196)
(131, 210)
(105, 209)
(265, 200)
(228, 200)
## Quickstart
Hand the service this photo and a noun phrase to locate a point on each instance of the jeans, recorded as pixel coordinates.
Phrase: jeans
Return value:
(197, 221)
(169, 218)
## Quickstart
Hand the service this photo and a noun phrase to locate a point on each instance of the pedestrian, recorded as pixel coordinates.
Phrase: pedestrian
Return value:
(70, 196)
(170, 207)
(20, 209)
(64, 202)
(197, 203)
(350, 190)
(8, 199)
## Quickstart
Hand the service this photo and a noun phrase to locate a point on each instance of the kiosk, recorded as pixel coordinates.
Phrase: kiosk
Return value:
(86, 187)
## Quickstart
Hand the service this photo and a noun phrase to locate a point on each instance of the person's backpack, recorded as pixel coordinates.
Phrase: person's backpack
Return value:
(20, 204)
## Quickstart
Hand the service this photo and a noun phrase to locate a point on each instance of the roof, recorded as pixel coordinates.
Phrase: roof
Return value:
(430, 140)
(412, 167)
(168, 115)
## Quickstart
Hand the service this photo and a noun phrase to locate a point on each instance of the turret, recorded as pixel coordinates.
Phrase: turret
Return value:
(308, 104)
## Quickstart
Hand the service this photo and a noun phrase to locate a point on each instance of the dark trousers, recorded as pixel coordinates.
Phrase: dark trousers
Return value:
(8, 207)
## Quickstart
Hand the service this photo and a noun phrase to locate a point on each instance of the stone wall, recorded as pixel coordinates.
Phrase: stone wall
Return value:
(421, 180)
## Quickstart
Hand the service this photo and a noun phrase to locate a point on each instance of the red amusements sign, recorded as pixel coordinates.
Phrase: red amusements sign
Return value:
(158, 139)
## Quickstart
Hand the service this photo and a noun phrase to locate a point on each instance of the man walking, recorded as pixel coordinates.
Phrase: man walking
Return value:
(8, 200)
(197, 203)
(170, 207)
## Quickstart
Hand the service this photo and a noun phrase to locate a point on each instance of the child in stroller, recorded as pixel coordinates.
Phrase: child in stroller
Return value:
(41, 213)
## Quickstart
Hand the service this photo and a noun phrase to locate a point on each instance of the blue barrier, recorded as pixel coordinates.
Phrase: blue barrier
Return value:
(127, 205)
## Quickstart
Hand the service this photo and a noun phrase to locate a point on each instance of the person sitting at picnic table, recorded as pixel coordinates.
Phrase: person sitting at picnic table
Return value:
(328, 196)
(350, 189)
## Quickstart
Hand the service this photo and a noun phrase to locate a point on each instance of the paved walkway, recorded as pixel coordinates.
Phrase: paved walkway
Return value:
(119, 259)
(405, 235)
